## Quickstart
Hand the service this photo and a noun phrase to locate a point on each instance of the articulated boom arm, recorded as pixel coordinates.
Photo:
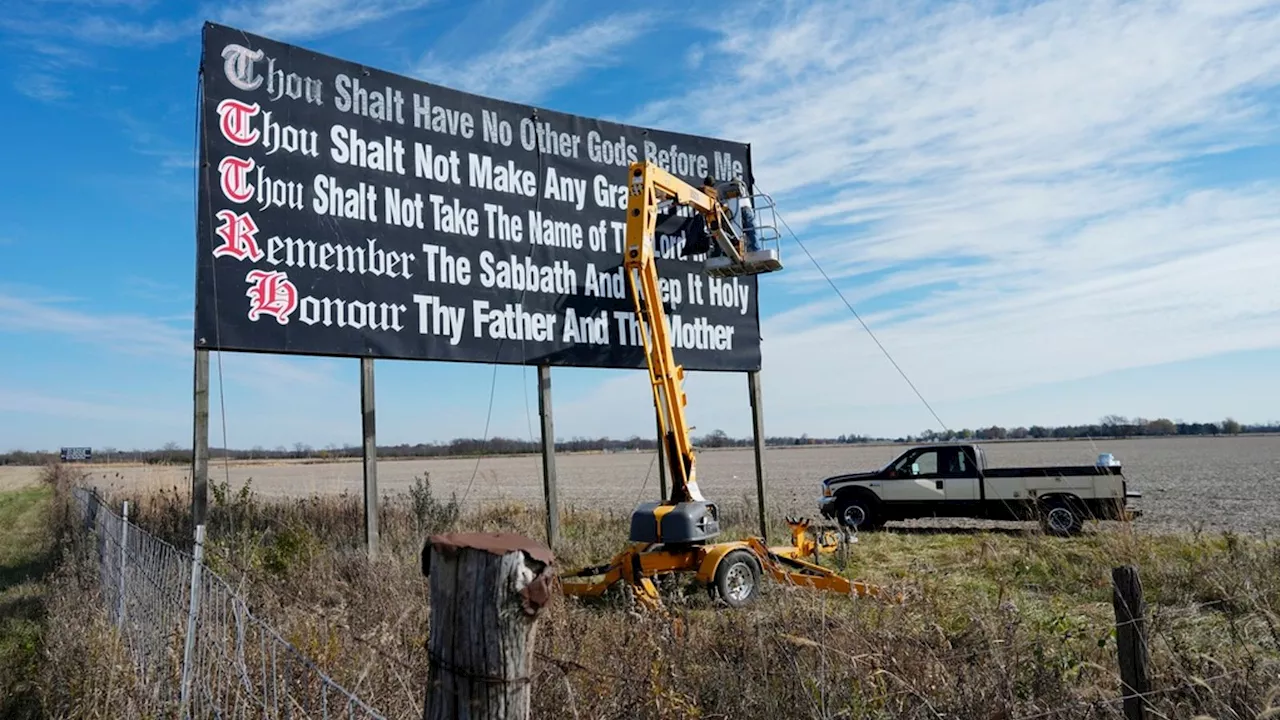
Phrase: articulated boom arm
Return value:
(673, 536)
(650, 186)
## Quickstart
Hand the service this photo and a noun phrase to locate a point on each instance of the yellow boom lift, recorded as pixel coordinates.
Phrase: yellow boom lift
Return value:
(676, 535)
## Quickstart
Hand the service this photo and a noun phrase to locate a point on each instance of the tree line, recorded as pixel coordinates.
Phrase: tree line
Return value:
(172, 453)
(1111, 426)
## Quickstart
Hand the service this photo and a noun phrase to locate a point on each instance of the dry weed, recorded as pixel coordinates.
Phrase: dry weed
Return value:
(999, 625)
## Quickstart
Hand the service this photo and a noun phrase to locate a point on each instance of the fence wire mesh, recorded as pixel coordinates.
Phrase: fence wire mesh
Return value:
(197, 650)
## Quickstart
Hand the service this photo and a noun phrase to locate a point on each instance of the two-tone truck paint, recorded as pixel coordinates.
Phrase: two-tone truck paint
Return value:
(953, 480)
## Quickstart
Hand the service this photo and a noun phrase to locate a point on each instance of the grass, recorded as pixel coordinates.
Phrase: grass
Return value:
(26, 557)
(58, 658)
(998, 624)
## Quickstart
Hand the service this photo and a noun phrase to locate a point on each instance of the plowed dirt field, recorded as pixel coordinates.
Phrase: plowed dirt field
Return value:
(1218, 482)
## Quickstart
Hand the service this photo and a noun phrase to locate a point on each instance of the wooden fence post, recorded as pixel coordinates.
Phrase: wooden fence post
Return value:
(1131, 639)
(486, 591)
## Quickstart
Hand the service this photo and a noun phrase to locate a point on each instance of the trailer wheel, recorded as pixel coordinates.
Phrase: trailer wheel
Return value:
(1061, 517)
(737, 579)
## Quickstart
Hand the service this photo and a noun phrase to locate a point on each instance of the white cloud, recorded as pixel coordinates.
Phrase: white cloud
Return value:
(26, 403)
(42, 87)
(1011, 178)
(122, 332)
(1051, 88)
(26, 311)
(529, 61)
(103, 30)
(43, 64)
(298, 19)
(284, 19)
(149, 140)
(131, 4)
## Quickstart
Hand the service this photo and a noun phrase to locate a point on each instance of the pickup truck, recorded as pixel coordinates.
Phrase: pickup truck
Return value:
(953, 480)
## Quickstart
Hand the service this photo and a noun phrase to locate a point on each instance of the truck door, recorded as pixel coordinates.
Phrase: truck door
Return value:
(959, 475)
(915, 479)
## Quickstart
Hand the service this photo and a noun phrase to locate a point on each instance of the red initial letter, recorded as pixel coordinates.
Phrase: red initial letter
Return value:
(271, 293)
(234, 121)
(237, 233)
(235, 178)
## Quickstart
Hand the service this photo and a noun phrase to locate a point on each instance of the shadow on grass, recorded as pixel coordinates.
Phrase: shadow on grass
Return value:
(32, 569)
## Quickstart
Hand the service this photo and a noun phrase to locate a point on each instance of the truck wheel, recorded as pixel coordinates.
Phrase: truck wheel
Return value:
(1060, 517)
(737, 580)
(857, 513)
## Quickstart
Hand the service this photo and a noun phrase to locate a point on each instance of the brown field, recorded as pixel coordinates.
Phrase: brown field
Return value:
(1220, 482)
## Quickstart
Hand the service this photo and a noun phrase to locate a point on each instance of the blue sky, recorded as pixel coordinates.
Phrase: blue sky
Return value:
(1048, 212)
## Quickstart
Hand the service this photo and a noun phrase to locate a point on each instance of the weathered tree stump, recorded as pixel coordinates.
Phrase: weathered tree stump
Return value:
(486, 593)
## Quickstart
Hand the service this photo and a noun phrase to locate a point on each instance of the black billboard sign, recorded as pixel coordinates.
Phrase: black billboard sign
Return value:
(348, 211)
(73, 454)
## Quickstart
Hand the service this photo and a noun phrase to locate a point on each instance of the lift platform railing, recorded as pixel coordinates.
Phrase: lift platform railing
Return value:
(752, 231)
(745, 241)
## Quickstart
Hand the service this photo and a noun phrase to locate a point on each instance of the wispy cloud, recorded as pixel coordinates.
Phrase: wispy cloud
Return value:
(131, 4)
(100, 22)
(125, 333)
(44, 62)
(299, 19)
(150, 141)
(839, 94)
(530, 61)
(27, 310)
(63, 33)
(1002, 191)
(26, 403)
(42, 86)
(159, 294)
(103, 29)
(55, 41)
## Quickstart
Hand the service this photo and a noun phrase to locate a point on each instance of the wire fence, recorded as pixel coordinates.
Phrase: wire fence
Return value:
(197, 650)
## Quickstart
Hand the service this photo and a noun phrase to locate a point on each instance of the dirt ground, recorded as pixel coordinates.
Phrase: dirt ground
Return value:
(1218, 482)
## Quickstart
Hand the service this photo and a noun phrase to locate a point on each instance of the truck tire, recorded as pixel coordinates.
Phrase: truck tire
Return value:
(737, 579)
(858, 513)
(1061, 517)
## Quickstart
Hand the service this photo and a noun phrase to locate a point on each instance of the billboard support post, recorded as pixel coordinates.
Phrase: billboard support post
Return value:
(757, 430)
(369, 454)
(200, 440)
(549, 492)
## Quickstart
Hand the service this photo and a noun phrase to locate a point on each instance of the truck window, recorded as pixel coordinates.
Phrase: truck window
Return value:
(926, 463)
(954, 463)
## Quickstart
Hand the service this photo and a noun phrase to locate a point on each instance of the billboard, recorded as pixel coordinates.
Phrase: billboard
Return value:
(347, 211)
(73, 454)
